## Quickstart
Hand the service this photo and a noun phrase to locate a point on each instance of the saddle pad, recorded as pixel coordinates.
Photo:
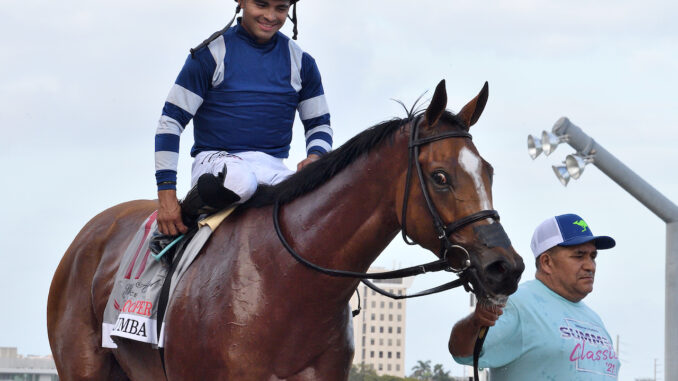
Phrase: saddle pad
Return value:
(131, 311)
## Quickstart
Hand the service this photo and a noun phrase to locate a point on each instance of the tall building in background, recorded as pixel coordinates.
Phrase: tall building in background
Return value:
(379, 329)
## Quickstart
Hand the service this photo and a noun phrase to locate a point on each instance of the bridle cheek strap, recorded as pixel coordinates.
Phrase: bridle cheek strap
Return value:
(443, 231)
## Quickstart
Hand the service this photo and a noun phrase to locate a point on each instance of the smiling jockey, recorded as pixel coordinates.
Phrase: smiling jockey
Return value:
(241, 88)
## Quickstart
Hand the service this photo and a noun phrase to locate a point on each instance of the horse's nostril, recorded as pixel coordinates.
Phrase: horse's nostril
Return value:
(499, 267)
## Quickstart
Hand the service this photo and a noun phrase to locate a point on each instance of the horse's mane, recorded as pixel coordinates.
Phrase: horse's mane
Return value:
(319, 172)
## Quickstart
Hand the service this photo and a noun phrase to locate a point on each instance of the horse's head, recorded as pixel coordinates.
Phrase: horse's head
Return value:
(447, 200)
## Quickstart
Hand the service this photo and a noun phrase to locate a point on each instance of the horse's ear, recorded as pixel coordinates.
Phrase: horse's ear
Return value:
(470, 113)
(438, 103)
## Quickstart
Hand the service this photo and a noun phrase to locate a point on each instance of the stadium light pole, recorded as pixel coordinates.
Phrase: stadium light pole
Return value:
(588, 151)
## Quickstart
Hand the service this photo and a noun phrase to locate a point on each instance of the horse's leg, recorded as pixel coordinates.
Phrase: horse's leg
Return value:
(335, 363)
(74, 332)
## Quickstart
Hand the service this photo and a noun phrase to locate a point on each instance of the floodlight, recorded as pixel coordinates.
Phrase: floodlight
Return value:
(550, 141)
(561, 174)
(575, 164)
(533, 146)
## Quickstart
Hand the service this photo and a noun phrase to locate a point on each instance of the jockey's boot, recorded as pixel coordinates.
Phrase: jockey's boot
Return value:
(207, 196)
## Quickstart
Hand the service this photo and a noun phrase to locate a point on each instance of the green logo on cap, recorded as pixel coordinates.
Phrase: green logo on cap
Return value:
(581, 224)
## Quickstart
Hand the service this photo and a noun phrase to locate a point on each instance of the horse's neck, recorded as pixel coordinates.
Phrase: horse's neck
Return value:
(347, 223)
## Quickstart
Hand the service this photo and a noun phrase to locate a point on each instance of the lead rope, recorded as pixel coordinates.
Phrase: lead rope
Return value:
(476, 350)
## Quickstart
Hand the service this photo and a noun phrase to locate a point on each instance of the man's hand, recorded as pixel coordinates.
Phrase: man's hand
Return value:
(486, 316)
(310, 159)
(465, 332)
(169, 213)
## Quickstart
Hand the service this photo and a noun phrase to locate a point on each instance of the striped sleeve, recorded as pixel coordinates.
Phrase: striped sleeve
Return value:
(313, 110)
(184, 99)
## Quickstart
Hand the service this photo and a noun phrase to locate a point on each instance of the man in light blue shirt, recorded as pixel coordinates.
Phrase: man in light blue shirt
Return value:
(545, 331)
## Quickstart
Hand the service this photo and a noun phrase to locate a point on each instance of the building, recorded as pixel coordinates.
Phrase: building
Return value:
(15, 367)
(379, 329)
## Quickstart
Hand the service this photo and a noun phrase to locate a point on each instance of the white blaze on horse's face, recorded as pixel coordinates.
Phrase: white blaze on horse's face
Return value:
(473, 165)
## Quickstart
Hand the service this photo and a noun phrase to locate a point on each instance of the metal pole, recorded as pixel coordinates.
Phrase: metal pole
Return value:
(659, 205)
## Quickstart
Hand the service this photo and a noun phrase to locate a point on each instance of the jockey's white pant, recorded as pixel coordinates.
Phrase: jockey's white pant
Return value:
(244, 170)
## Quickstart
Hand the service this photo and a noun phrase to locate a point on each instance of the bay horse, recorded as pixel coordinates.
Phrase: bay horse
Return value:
(245, 309)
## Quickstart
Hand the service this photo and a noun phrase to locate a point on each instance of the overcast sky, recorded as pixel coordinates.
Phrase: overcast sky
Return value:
(83, 84)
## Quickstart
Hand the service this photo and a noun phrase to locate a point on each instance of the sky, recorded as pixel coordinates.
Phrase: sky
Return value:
(83, 84)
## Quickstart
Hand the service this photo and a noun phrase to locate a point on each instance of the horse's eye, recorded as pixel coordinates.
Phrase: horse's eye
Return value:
(440, 178)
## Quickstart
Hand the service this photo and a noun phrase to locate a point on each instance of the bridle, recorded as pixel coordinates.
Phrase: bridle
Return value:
(443, 231)
(468, 277)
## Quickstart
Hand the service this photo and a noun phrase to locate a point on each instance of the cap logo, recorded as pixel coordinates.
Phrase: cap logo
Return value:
(581, 224)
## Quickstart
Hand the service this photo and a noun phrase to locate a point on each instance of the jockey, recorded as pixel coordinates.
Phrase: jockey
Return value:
(241, 87)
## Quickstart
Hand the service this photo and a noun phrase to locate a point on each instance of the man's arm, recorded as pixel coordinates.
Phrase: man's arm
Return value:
(314, 112)
(465, 331)
(183, 101)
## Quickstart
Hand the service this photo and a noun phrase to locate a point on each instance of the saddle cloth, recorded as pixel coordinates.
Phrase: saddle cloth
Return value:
(131, 311)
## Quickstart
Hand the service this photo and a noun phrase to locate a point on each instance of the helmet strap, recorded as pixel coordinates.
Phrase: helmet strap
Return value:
(295, 31)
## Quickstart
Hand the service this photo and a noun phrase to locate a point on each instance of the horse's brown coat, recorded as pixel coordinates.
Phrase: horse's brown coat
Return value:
(245, 309)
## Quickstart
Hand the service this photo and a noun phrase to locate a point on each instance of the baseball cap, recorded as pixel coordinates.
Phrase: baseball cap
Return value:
(566, 230)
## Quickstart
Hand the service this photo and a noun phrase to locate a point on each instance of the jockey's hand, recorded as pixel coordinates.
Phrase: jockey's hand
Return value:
(169, 213)
(310, 159)
(486, 315)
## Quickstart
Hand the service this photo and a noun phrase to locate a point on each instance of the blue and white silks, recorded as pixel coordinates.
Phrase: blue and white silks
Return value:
(242, 96)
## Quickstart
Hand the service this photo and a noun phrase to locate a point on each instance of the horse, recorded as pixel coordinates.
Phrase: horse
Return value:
(245, 309)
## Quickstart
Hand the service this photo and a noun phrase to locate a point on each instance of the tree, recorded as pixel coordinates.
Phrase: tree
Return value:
(422, 371)
(440, 374)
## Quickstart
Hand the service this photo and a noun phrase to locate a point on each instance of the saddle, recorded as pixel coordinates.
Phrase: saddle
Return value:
(144, 285)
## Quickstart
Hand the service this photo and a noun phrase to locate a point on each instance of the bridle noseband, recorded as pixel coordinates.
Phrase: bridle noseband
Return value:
(443, 231)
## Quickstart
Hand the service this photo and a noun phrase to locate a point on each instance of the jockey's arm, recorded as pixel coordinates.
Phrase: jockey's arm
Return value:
(169, 213)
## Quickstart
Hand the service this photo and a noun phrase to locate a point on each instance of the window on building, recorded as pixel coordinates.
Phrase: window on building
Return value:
(397, 355)
(371, 341)
(381, 304)
(381, 367)
(400, 292)
(372, 329)
(381, 317)
(371, 354)
(364, 327)
(374, 304)
(390, 317)
(389, 354)
(373, 316)
(400, 317)
(400, 305)
(363, 354)
(381, 354)
(390, 342)
(390, 304)
(388, 366)
(398, 343)
(381, 329)
(397, 367)
(390, 329)
(363, 341)
(381, 341)
(398, 330)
